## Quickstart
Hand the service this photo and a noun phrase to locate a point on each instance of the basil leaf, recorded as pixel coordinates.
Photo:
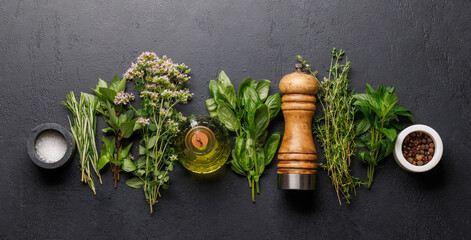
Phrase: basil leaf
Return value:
(251, 99)
(226, 90)
(237, 170)
(213, 88)
(262, 88)
(239, 146)
(242, 86)
(274, 104)
(245, 162)
(212, 107)
(260, 160)
(261, 119)
(235, 164)
(227, 116)
(270, 147)
(262, 138)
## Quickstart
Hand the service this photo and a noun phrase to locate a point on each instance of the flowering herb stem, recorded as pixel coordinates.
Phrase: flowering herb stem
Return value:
(113, 106)
(160, 83)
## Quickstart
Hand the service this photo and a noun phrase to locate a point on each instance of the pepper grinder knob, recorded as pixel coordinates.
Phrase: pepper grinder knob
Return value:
(297, 166)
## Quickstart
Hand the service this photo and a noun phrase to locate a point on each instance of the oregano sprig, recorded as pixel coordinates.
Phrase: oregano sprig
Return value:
(160, 83)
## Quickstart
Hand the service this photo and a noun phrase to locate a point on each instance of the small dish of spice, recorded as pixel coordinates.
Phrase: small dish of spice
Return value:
(418, 148)
(50, 146)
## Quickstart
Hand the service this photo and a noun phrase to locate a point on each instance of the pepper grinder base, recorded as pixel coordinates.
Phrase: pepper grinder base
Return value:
(294, 181)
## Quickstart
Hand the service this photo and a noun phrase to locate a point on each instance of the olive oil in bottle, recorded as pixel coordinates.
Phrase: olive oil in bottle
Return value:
(203, 145)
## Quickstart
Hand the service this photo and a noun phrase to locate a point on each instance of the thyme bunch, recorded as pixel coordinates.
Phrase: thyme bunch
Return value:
(335, 129)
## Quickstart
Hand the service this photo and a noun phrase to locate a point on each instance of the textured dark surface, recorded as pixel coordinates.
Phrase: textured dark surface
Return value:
(48, 48)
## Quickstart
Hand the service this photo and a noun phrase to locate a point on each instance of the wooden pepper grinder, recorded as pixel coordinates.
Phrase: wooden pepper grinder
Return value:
(297, 157)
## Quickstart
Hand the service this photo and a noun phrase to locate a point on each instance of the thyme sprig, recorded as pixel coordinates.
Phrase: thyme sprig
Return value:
(335, 129)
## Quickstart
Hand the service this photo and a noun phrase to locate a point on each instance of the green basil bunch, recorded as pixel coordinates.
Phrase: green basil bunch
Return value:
(248, 116)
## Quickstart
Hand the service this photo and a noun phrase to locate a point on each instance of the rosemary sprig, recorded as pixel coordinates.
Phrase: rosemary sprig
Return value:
(83, 131)
(335, 129)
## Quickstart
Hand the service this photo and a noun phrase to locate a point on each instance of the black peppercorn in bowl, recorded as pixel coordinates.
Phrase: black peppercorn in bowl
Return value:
(418, 148)
(50, 146)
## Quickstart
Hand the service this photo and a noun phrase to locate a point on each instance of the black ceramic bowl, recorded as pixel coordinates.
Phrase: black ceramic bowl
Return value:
(31, 145)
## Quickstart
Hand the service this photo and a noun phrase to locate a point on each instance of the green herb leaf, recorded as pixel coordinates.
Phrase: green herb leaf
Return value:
(212, 107)
(151, 142)
(141, 162)
(243, 85)
(104, 159)
(239, 146)
(260, 160)
(105, 130)
(261, 119)
(262, 88)
(135, 183)
(274, 104)
(226, 90)
(362, 126)
(213, 88)
(270, 147)
(389, 133)
(237, 170)
(227, 116)
(142, 113)
(118, 85)
(123, 152)
(139, 87)
(127, 128)
(152, 127)
(364, 156)
(251, 99)
(108, 94)
(128, 165)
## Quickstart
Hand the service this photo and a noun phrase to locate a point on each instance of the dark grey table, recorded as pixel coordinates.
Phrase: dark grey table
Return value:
(48, 48)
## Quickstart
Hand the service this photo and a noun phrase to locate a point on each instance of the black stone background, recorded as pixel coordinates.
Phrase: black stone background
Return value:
(48, 48)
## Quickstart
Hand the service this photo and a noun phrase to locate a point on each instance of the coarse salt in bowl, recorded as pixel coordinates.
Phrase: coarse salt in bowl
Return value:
(401, 160)
(50, 146)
